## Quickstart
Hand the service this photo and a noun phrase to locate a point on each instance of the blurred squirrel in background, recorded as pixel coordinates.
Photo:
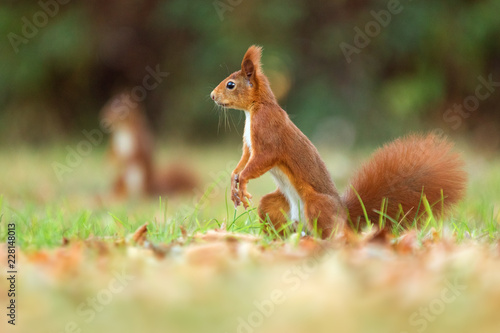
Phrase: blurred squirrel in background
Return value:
(131, 150)
(394, 181)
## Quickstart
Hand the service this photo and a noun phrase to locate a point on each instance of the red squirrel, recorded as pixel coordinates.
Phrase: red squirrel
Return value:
(398, 173)
(131, 150)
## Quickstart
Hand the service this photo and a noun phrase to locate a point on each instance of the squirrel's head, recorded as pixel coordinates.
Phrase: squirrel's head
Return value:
(245, 87)
(120, 109)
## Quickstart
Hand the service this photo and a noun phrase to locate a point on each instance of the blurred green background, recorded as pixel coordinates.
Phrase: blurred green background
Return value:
(410, 65)
(60, 62)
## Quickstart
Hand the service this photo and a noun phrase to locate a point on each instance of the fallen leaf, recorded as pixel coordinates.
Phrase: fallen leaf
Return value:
(407, 243)
(139, 236)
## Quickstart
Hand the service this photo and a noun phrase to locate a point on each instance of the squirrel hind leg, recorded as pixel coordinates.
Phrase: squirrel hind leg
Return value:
(273, 208)
(325, 215)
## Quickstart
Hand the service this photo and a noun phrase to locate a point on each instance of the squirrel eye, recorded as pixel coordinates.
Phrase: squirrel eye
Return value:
(230, 85)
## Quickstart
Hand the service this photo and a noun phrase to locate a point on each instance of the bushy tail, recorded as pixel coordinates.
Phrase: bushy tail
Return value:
(400, 172)
(177, 179)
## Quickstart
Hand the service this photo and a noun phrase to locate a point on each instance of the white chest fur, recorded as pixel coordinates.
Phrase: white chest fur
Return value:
(135, 180)
(248, 130)
(296, 204)
(123, 142)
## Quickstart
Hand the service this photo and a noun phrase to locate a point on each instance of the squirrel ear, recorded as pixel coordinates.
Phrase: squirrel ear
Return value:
(251, 61)
(247, 68)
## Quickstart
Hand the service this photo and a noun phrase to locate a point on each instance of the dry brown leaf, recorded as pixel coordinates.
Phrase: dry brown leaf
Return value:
(209, 254)
(407, 243)
(61, 262)
(313, 245)
(183, 231)
(139, 236)
(102, 246)
(382, 236)
(221, 235)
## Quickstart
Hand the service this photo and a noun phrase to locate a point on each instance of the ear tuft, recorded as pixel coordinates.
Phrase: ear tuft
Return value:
(251, 61)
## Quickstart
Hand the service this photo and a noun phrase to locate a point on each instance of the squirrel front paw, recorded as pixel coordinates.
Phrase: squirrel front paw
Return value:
(239, 192)
(235, 197)
(244, 196)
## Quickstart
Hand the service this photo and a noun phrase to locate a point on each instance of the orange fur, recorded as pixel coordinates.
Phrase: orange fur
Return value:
(131, 146)
(131, 150)
(400, 172)
(272, 142)
(271, 208)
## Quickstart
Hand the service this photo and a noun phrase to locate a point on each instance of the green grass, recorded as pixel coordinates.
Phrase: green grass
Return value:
(46, 210)
(204, 286)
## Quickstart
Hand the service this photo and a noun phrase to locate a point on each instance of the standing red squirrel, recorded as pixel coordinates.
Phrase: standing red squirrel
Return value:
(131, 149)
(398, 172)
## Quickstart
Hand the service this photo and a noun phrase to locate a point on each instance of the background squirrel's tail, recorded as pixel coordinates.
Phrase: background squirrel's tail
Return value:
(400, 171)
(177, 179)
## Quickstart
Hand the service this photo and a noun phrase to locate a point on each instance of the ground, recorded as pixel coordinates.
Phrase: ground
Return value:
(87, 263)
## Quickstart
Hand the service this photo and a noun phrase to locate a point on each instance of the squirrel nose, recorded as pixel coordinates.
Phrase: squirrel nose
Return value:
(212, 95)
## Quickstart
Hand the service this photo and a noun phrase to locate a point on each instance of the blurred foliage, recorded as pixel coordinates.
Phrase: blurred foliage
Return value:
(426, 59)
